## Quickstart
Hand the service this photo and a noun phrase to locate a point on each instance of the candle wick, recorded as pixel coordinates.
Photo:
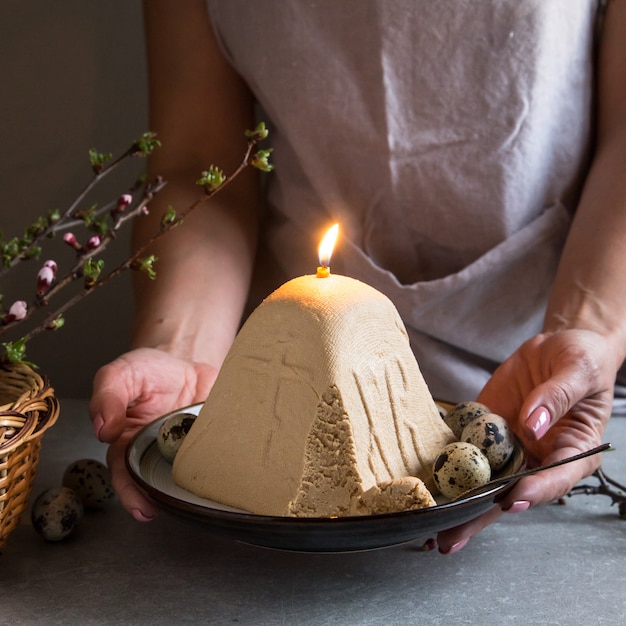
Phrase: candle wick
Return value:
(323, 270)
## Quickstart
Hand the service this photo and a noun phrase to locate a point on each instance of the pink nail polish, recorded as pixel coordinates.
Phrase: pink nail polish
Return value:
(455, 547)
(140, 517)
(539, 422)
(518, 507)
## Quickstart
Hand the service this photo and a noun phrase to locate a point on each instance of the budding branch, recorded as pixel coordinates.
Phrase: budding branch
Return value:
(212, 181)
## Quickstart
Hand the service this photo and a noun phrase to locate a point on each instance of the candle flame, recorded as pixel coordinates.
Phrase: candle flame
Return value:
(325, 251)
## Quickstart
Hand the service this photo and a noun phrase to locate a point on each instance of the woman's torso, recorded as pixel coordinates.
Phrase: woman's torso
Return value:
(449, 140)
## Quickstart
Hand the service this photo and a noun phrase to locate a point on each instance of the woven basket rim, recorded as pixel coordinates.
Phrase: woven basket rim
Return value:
(35, 402)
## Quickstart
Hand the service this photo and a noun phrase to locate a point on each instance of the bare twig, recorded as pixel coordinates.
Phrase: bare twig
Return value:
(102, 167)
(606, 486)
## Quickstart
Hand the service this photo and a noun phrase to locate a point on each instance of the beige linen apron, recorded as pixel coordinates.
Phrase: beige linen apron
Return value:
(448, 138)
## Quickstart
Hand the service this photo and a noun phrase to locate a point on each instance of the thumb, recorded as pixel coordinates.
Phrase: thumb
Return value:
(110, 400)
(132, 498)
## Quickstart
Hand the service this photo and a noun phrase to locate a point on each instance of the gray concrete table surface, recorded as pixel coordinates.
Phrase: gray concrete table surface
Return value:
(550, 565)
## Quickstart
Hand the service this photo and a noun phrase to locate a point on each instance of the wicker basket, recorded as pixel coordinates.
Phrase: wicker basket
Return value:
(27, 408)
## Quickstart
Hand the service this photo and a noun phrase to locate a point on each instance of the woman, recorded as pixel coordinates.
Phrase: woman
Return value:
(477, 180)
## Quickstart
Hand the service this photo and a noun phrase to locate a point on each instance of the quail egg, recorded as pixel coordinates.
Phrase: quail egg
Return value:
(460, 415)
(91, 480)
(460, 466)
(172, 432)
(56, 513)
(491, 433)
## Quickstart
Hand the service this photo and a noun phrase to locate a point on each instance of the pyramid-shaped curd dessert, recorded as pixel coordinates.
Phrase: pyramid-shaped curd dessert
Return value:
(319, 410)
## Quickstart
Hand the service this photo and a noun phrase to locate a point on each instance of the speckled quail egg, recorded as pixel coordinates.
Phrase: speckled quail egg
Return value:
(56, 513)
(172, 432)
(491, 433)
(460, 415)
(460, 466)
(91, 480)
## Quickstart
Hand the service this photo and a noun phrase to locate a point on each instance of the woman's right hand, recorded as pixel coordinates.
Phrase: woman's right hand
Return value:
(130, 392)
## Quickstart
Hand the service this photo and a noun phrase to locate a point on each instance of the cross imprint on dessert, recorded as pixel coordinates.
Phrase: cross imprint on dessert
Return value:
(277, 373)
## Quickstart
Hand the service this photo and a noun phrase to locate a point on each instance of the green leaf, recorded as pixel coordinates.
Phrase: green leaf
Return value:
(36, 228)
(261, 160)
(146, 144)
(91, 271)
(169, 217)
(87, 215)
(16, 351)
(146, 265)
(10, 250)
(212, 178)
(56, 323)
(259, 133)
(33, 253)
(54, 216)
(98, 160)
(99, 225)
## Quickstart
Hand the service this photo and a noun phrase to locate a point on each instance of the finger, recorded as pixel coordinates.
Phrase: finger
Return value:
(526, 493)
(576, 373)
(132, 498)
(453, 539)
(547, 486)
(552, 484)
(110, 400)
(551, 400)
(498, 397)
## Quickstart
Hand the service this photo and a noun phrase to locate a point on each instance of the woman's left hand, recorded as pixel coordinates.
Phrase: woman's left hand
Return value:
(556, 392)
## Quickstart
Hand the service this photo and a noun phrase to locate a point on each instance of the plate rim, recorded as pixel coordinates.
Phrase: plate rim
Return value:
(241, 518)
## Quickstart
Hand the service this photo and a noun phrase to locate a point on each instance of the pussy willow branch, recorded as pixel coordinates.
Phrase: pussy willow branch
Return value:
(132, 261)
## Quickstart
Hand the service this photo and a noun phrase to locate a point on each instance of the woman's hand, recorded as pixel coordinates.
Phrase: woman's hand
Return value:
(194, 308)
(557, 389)
(556, 392)
(132, 391)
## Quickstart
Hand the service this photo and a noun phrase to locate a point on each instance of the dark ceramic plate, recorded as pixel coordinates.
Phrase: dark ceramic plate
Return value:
(344, 534)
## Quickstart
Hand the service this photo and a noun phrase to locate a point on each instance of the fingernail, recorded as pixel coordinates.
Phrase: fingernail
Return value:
(455, 547)
(539, 422)
(98, 423)
(140, 517)
(517, 507)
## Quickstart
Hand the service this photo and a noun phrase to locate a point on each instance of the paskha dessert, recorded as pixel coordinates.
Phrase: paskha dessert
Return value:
(320, 409)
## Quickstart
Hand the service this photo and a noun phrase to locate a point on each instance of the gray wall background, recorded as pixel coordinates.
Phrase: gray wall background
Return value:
(72, 77)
